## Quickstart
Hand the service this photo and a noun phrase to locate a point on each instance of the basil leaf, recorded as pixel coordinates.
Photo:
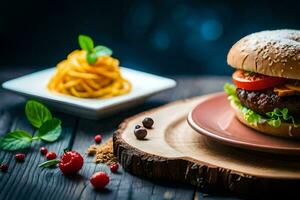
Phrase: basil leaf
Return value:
(49, 163)
(86, 43)
(37, 113)
(91, 58)
(50, 130)
(102, 51)
(16, 140)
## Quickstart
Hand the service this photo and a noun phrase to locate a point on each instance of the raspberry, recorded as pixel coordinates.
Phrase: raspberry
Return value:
(71, 162)
(20, 157)
(51, 155)
(43, 150)
(114, 168)
(99, 180)
(98, 138)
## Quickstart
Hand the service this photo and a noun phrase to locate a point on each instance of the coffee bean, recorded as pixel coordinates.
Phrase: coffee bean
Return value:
(140, 133)
(148, 122)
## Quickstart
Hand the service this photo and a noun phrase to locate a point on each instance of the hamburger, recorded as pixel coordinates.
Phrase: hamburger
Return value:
(265, 95)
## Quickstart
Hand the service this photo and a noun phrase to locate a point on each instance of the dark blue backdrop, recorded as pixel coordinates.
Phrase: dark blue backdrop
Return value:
(163, 37)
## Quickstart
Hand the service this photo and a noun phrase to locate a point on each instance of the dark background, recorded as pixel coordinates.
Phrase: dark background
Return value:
(162, 37)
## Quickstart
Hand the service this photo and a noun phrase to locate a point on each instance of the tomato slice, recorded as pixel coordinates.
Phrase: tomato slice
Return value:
(253, 81)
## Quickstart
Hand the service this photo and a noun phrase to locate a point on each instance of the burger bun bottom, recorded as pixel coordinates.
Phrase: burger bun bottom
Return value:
(286, 130)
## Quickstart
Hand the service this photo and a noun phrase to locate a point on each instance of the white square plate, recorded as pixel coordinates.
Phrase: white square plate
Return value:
(143, 85)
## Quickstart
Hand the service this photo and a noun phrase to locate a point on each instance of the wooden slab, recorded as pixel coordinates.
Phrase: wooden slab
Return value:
(173, 151)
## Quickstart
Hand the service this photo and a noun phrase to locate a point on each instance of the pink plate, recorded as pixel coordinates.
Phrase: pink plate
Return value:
(215, 119)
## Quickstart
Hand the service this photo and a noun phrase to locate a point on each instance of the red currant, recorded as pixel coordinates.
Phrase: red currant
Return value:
(71, 162)
(98, 138)
(3, 167)
(51, 155)
(20, 157)
(99, 180)
(43, 150)
(114, 167)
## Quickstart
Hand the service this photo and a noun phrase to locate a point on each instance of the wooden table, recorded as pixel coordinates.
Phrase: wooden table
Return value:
(28, 181)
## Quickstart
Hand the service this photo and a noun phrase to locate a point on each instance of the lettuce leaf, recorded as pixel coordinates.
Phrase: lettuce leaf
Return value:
(274, 118)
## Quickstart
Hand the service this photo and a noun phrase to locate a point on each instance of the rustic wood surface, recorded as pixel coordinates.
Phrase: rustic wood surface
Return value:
(172, 150)
(27, 181)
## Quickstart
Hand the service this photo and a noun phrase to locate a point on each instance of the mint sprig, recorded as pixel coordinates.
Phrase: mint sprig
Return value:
(86, 43)
(49, 129)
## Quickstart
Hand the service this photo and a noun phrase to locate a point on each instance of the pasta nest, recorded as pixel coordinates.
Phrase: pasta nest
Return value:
(76, 77)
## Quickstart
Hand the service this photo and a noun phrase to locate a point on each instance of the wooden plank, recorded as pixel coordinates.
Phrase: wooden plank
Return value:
(122, 184)
(26, 180)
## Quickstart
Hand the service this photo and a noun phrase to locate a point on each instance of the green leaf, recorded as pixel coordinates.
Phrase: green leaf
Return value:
(86, 43)
(49, 163)
(278, 115)
(16, 140)
(37, 113)
(274, 122)
(50, 130)
(67, 150)
(273, 118)
(252, 117)
(285, 114)
(102, 51)
(91, 58)
(230, 89)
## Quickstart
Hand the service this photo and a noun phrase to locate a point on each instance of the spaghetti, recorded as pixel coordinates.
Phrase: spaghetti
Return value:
(76, 77)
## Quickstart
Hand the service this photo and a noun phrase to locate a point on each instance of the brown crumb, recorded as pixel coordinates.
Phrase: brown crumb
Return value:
(104, 152)
(92, 150)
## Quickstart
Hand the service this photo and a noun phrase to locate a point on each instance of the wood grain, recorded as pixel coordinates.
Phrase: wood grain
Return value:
(27, 181)
(122, 184)
(173, 151)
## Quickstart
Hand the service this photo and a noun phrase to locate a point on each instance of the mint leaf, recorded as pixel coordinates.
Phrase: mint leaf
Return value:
(16, 140)
(37, 113)
(49, 163)
(91, 58)
(50, 130)
(102, 51)
(86, 43)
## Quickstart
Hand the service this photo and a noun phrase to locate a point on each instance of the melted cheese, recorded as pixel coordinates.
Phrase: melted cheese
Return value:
(283, 90)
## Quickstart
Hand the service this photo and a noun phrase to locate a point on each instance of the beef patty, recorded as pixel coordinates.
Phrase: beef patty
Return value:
(263, 101)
